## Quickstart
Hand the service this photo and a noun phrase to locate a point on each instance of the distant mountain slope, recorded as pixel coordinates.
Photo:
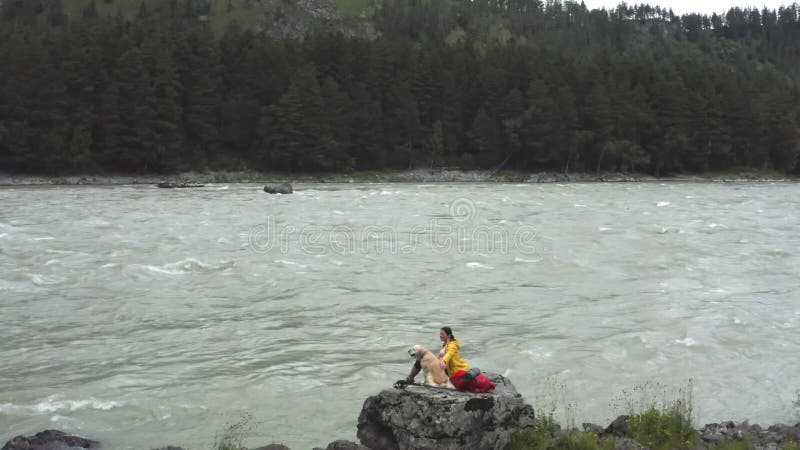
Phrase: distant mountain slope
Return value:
(318, 85)
(284, 18)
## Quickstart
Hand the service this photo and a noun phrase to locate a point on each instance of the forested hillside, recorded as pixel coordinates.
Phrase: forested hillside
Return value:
(308, 86)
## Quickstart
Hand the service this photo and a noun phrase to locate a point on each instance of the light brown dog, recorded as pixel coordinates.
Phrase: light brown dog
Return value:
(433, 372)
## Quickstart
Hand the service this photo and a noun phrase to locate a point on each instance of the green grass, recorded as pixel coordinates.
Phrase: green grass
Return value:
(663, 430)
(733, 445)
(352, 7)
(221, 17)
(234, 433)
(545, 436)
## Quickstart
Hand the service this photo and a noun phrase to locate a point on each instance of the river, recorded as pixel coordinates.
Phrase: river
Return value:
(144, 317)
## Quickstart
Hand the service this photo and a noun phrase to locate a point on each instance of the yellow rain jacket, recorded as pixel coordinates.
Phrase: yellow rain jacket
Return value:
(452, 357)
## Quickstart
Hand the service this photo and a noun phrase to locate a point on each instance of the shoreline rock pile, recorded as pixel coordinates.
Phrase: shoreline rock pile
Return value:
(423, 417)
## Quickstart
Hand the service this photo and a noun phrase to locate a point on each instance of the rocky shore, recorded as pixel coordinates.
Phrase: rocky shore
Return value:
(428, 418)
(409, 176)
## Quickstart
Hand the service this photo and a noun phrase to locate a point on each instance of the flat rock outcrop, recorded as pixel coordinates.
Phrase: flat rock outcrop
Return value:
(423, 417)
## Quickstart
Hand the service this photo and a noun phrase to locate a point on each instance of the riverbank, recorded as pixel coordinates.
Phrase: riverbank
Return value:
(625, 433)
(408, 176)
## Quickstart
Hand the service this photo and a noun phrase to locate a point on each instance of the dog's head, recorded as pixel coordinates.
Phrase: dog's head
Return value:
(417, 351)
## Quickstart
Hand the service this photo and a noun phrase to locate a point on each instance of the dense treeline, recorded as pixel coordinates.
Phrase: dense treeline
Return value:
(474, 84)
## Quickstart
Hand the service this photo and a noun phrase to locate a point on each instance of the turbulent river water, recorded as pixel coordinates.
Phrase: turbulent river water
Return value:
(143, 317)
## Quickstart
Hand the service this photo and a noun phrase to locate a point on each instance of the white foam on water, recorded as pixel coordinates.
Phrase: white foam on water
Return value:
(54, 404)
(6, 226)
(662, 204)
(44, 280)
(527, 260)
(539, 354)
(59, 252)
(45, 238)
(601, 229)
(290, 263)
(189, 265)
(688, 342)
(165, 271)
(716, 225)
(577, 205)
(477, 265)
(2, 235)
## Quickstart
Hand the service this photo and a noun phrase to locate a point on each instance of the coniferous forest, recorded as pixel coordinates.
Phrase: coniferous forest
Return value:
(517, 84)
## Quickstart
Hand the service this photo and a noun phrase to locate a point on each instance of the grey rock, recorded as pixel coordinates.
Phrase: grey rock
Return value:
(593, 428)
(283, 188)
(345, 445)
(624, 443)
(619, 427)
(422, 417)
(50, 440)
(273, 447)
(551, 177)
(758, 437)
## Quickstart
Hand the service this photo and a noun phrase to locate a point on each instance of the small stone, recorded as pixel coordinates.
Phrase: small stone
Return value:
(593, 428)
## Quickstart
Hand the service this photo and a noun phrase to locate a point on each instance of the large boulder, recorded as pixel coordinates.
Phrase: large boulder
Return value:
(283, 188)
(50, 440)
(423, 417)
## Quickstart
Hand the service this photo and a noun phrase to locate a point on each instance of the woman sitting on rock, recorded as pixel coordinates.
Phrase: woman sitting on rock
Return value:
(457, 368)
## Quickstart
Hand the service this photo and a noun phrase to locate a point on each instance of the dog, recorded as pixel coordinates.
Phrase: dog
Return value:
(433, 372)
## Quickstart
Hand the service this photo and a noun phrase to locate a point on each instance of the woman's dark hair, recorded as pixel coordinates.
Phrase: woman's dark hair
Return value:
(449, 332)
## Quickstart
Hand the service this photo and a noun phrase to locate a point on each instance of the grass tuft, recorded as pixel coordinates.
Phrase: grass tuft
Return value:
(663, 430)
(234, 433)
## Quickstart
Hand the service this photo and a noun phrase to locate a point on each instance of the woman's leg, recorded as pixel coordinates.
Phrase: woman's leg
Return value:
(458, 379)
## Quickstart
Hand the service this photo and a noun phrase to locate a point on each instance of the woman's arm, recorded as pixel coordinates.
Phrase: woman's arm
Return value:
(450, 352)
